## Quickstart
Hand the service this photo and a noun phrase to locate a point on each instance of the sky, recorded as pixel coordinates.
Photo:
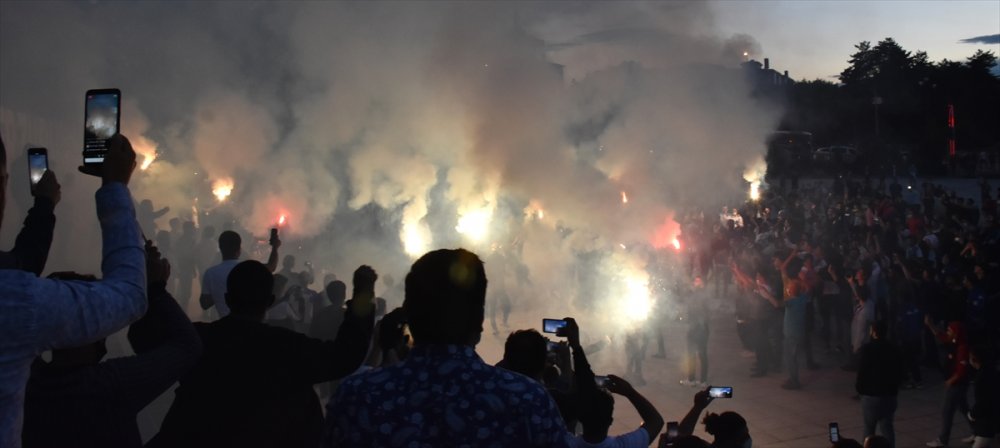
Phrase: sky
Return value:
(814, 39)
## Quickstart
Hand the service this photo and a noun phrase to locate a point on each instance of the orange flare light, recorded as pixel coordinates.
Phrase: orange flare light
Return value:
(677, 244)
(281, 220)
(624, 198)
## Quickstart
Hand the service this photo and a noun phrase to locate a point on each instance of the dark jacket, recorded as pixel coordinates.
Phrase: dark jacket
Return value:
(880, 370)
(96, 405)
(253, 387)
(985, 410)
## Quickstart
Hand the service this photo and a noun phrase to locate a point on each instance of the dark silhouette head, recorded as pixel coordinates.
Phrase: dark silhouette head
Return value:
(525, 352)
(336, 291)
(364, 280)
(249, 289)
(596, 413)
(229, 245)
(189, 228)
(146, 206)
(728, 428)
(445, 297)
(288, 262)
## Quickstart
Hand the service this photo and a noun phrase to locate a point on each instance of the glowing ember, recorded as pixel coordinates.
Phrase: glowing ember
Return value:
(754, 191)
(676, 243)
(754, 174)
(147, 160)
(541, 214)
(475, 224)
(281, 220)
(145, 148)
(624, 198)
(222, 188)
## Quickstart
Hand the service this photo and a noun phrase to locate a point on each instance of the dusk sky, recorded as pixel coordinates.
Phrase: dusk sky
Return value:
(814, 39)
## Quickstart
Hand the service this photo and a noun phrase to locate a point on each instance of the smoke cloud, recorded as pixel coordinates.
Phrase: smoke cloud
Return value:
(382, 130)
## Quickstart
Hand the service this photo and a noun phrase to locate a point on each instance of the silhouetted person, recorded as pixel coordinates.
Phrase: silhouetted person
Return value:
(697, 334)
(597, 411)
(326, 322)
(729, 429)
(525, 352)
(147, 216)
(41, 314)
(880, 373)
(254, 384)
(185, 257)
(77, 400)
(985, 411)
(31, 248)
(443, 394)
(213, 283)
(956, 386)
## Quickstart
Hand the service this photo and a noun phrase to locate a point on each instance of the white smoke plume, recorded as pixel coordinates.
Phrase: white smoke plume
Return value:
(384, 129)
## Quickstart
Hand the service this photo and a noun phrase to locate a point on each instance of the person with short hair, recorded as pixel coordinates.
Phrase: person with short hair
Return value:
(880, 373)
(597, 413)
(443, 394)
(254, 384)
(213, 281)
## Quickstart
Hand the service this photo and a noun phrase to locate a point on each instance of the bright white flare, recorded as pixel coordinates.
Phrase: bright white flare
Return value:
(415, 239)
(637, 301)
(222, 188)
(281, 220)
(754, 173)
(624, 198)
(145, 148)
(676, 243)
(475, 224)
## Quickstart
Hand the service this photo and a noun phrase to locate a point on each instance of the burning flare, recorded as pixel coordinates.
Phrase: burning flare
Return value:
(754, 174)
(145, 148)
(624, 198)
(475, 224)
(281, 220)
(676, 243)
(415, 239)
(637, 301)
(222, 188)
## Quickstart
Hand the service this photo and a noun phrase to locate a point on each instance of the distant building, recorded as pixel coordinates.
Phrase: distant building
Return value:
(764, 78)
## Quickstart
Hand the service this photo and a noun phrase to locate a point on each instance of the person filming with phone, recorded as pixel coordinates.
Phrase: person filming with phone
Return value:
(596, 415)
(40, 314)
(31, 248)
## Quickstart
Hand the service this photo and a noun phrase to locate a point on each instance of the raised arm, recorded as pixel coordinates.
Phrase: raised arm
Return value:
(701, 401)
(31, 248)
(652, 421)
(272, 260)
(73, 313)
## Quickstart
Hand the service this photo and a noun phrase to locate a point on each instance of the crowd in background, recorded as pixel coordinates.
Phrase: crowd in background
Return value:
(896, 287)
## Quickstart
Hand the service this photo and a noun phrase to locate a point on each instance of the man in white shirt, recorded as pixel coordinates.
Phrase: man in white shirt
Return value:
(213, 282)
(597, 407)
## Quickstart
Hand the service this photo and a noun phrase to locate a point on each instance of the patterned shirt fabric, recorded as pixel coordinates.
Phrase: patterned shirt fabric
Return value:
(39, 314)
(443, 395)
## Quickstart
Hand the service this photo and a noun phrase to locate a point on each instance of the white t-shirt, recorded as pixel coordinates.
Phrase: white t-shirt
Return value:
(635, 439)
(213, 283)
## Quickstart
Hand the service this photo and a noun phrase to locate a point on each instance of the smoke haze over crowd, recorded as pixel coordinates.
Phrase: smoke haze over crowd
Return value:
(443, 124)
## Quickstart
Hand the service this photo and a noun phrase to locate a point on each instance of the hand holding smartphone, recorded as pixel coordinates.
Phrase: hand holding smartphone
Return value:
(38, 164)
(720, 392)
(102, 120)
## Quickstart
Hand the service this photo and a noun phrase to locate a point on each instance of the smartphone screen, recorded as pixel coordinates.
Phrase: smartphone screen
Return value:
(834, 432)
(38, 164)
(672, 430)
(552, 325)
(720, 392)
(601, 380)
(102, 117)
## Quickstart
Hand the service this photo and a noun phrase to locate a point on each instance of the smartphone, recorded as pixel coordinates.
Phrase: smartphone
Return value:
(552, 345)
(673, 430)
(552, 325)
(601, 380)
(834, 432)
(720, 392)
(102, 120)
(274, 233)
(38, 164)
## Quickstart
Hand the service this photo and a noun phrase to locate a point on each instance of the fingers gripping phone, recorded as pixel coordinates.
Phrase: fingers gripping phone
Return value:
(38, 164)
(102, 120)
(601, 381)
(552, 325)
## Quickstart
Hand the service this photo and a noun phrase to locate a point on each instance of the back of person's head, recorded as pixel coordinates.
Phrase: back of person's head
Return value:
(249, 288)
(596, 412)
(280, 284)
(229, 244)
(336, 291)
(525, 352)
(364, 279)
(728, 428)
(445, 297)
(288, 262)
(877, 441)
(189, 228)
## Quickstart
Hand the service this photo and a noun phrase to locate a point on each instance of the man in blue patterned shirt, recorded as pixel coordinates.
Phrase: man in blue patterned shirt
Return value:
(443, 394)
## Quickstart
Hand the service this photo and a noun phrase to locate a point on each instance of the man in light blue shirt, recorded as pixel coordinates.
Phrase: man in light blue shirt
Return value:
(39, 314)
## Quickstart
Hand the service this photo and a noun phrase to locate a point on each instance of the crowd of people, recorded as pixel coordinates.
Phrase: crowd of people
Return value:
(852, 268)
